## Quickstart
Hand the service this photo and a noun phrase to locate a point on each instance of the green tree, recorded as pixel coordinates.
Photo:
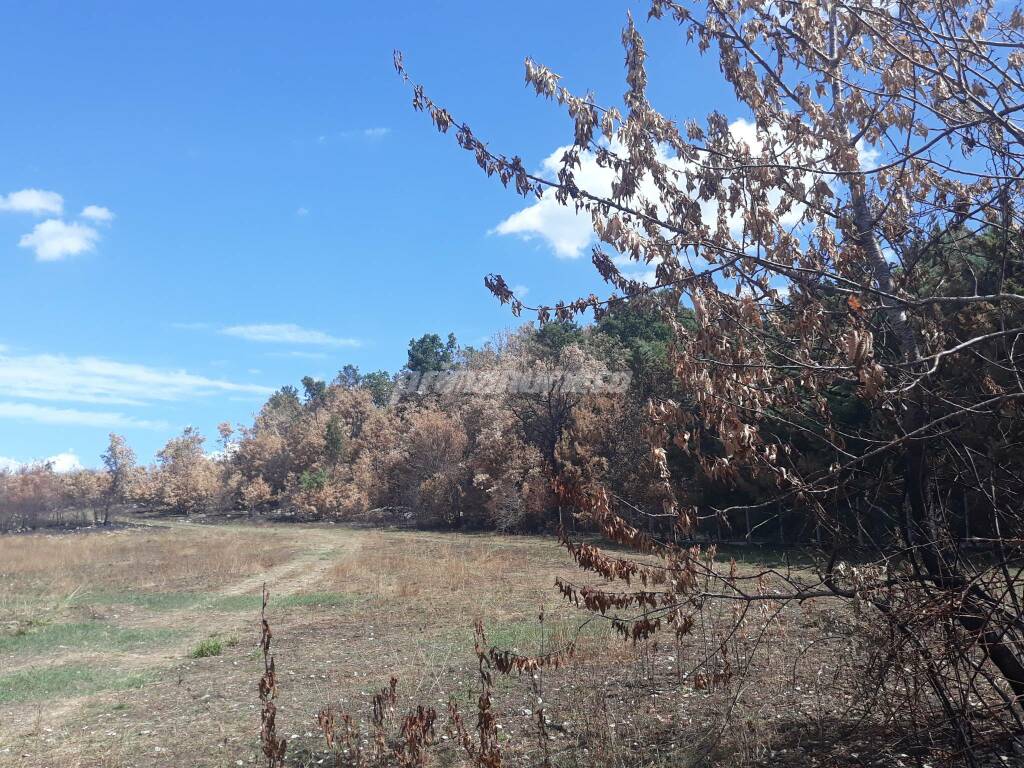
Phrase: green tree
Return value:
(643, 334)
(315, 390)
(283, 406)
(348, 377)
(335, 439)
(380, 384)
(430, 353)
(556, 335)
(313, 479)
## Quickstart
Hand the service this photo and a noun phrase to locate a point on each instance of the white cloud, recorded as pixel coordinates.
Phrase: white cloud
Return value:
(520, 290)
(53, 239)
(97, 213)
(565, 230)
(64, 462)
(286, 333)
(96, 380)
(376, 133)
(44, 414)
(34, 201)
(645, 276)
(569, 233)
(67, 461)
(867, 155)
(302, 212)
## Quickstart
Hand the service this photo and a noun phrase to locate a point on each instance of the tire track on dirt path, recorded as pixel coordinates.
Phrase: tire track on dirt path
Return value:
(291, 577)
(296, 574)
(202, 619)
(287, 578)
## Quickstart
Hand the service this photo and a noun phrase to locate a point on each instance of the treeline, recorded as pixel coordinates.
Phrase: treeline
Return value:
(374, 447)
(36, 495)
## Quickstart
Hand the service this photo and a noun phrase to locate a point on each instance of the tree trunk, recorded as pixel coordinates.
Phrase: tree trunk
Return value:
(924, 530)
(977, 611)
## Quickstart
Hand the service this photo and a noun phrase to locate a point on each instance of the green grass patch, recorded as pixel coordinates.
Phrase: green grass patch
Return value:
(150, 601)
(65, 681)
(300, 600)
(94, 635)
(525, 636)
(211, 646)
(214, 645)
(171, 601)
(521, 636)
(232, 603)
(315, 599)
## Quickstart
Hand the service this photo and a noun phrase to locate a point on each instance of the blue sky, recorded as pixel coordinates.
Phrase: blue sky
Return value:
(205, 201)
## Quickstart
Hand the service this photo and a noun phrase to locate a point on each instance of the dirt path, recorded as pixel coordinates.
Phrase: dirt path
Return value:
(302, 571)
(319, 551)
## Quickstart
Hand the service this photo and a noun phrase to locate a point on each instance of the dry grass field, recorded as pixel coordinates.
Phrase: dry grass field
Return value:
(137, 647)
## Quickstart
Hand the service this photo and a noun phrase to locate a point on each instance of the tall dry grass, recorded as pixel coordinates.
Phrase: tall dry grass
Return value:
(158, 560)
(465, 576)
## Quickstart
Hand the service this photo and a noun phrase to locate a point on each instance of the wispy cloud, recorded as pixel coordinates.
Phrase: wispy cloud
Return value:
(38, 202)
(54, 240)
(302, 211)
(287, 333)
(190, 326)
(44, 414)
(97, 380)
(300, 354)
(367, 134)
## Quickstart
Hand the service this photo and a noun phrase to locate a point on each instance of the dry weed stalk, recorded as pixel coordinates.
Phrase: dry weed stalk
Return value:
(406, 749)
(274, 746)
(537, 686)
(485, 752)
